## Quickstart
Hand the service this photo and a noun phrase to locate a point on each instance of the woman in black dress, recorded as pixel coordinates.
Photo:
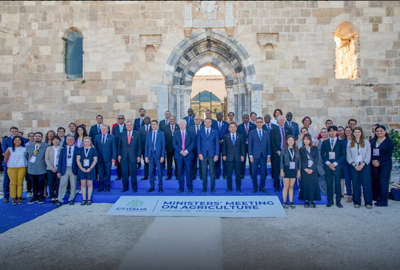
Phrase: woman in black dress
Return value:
(309, 186)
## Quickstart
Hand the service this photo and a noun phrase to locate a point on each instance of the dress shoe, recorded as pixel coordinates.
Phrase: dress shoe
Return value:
(225, 177)
(150, 190)
(307, 205)
(254, 190)
(285, 205)
(144, 178)
(212, 190)
(263, 190)
(190, 191)
(229, 190)
(338, 204)
(70, 203)
(119, 178)
(160, 189)
(100, 190)
(124, 190)
(58, 204)
(238, 190)
(107, 189)
(292, 205)
(180, 190)
(134, 190)
(203, 191)
(194, 178)
(313, 205)
(168, 178)
(329, 204)
(368, 206)
(357, 206)
(6, 200)
(277, 190)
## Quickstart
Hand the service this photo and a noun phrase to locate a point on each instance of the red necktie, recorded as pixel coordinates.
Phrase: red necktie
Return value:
(183, 141)
(172, 129)
(129, 137)
(147, 129)
(283, 138)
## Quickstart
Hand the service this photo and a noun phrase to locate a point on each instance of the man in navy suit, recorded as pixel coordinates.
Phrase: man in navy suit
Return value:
(143, 130)
(293, 125)
(233, 153)
(116, 131)
(190, 118)
(165, 122)
(95, 129)
(139, 121)
(278, 141)
(195, 129)
(4, 145)
(259, 154)
(169, 131)
(208, 151)
(67, 170)
(268, 126)
(21, 134)
(208, 116)
(244, 129)
(155, 154)
(107, 152)
(129, 151)
(184, 144)
(222, 128)
(333, 153)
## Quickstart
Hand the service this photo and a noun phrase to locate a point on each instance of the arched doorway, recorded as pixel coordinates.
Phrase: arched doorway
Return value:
(214, 48)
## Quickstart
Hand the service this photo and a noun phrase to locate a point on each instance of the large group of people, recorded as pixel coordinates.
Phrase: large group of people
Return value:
(321, 161)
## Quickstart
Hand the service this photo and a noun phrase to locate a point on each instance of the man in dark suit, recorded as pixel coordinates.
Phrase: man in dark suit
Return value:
(184, 143)
(333, 153)
(95, 129)
(107, 154)
(208, 151)
(21, 134)
(208, 116)
(143, 130)
(190, 118)
(169, 131)
(293, 125)
(233, 154)
(129, 151)
(139, 121)
(268, 126)
(196, 129)
(259, 154)
(222, 128)
(253, 117)
(155, 154)
(165, 122)
(4, 145)
(244, 130)
(278, 141)
(116, 131)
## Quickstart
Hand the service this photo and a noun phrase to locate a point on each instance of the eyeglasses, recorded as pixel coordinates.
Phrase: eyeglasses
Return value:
(120, 118)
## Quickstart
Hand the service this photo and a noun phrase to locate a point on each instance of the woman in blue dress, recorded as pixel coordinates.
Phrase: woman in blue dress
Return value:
(86, 160)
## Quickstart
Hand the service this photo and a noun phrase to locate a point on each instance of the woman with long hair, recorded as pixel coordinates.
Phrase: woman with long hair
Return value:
(382, 150)
(346, 167)
(15, 158)
(358, 154)
(49, 137)
(320, 167)
(290, 169)
(309, 186)
(86, 160)
(80, 134)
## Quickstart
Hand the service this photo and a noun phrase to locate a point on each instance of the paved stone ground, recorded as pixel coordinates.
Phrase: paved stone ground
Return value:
(83, 237)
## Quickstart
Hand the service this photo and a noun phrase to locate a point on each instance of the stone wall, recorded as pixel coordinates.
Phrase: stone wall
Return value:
(127, 46)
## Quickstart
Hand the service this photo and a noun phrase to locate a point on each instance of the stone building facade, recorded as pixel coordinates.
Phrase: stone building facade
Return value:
(144, 54)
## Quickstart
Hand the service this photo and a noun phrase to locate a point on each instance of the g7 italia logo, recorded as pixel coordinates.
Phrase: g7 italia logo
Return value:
(135, 203)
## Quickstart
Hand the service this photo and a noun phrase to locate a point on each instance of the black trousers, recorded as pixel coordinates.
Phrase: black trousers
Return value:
(194, 165)
(230, 166)
(333, 178)
(243, 164)
(146, 166)
(208, 161)
(170, 157)
(380, 183)
(53, 182)
(276, 161)
(38, 182)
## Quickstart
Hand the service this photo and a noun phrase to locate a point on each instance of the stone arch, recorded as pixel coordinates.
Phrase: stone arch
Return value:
(209, 47)
(70, 30)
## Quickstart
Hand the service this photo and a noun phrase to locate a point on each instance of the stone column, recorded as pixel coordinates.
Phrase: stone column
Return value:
(231, 99)
(162, 91)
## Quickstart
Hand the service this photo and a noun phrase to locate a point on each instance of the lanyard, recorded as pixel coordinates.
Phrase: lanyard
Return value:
(358, 148)
(86, 153)
(291, 152)
(308, 153)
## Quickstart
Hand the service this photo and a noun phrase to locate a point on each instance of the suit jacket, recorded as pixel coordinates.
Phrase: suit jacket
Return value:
(169, 136)
(93, 132)
(4, 145)
(224, 129)
(106, 151)
(190, 144)
(137, 124)
(276, 137)
(269, 131)
(25, 140)
(132, 150)
(210, 143)
(143, 136)
(295, 129)
(162, 124)
(160, 144)
(257, 147)
(314, 154)
(117, 133)
(339, 149)
(286, 159)
(193, 129)
(49, 157)
(62, 161)
(242, 130)
(212, 122)
(233, 152)
(191, 121)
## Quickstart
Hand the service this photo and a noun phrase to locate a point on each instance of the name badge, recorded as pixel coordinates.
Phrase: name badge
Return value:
(86, 163)
(332, 155)
(69, 160)
(310, 163)
(292, 165)
(376, 152)
(358, 159)
(32, 159)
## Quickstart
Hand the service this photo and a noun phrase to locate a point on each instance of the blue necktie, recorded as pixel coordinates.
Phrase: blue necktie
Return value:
(154, 140)
(208, 132)
(98, 129)
(259, 134)
(233, 139)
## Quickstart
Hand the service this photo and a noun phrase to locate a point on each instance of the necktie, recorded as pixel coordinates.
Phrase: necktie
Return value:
(208, 132)
(259, 135)
(166, 122)
(69, 152)
(233, 139)
(189, 121)
(154, 140)
(332, 144)
(283, 138)
(172, 129)
(121, 128)
(147, 128)
(141, 122)
(247, 129)
(98, 128)
(129, 137)
(197, 129)
(219, 126)
(183, 140)
(104, 139)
